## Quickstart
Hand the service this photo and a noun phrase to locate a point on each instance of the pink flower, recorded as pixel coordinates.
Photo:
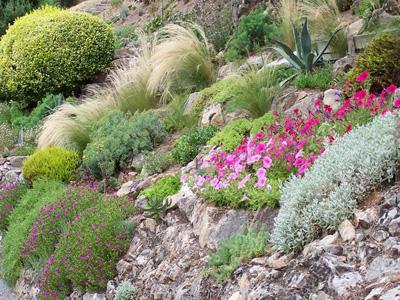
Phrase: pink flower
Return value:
(396, 103)
(360, 95)
(259, 135)
(261, 147)
(243, 182)
(362, 77)
(261, 182)
(303, 169)
(318, 102)
(214, 182)
(261, 172)
(184, 177)
(200, 181)
(50, 261)
(391, 89)
(253, 159)
(267, 162)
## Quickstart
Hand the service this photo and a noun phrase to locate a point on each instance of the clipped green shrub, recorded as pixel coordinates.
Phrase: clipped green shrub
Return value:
(21, 221)
(50, 51)
(87, 253)
(252, 32)
(51, 163)
(157, 162)
(10, 195)
(381, 59)
(188, 146)
(125, 291)
(321, 79)
(237, 249)
(116, 137)
(231, 136)
(339, 180)
(163, 188)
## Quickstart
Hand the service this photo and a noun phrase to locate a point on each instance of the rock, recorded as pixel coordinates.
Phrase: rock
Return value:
(133, 187)
(354, 28)
(191, 102)
(12, 176)
(380, 235)
(345, 283)
(391, 7)
(17, 161)
(347, 231)
(382, 266)
(88, 296)
(140, 202)
(391, 294)
(226, 70)
(332, 98)
(343, 65)
(278, 262)
(320, 296)
(150, 224)
(185, 199)
(111, 288)
(397, 93)
(374, 294)
(137, 162)
(212, 115)
(236, 296)
(394, 227)
(366, 218)
(123, 267)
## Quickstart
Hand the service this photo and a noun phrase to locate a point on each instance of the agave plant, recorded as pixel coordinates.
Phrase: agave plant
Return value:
(304, 58)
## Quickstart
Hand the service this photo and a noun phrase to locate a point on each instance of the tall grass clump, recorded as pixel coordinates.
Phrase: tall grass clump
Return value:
(325, 18)
(288, 12)
(182, 59)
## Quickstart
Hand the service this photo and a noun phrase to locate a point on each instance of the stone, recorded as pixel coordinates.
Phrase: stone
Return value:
(186, 200)
(140, 202)
(137, 162)
(347, 231)
(191, 102)
(343, 65)
(123, 267)
(345, 283)
(150, 224)
(226, 70)
(12, 176)
(354, 28)
(366, 218)
(391, 294)
(133, 187)
(278, 262)
(236, 296)
(394, 227)
(212, 115)
(304, 104)
(320, 296)
(380, 235)
(88, 296)
(397, 93)
(374, 294)
(332, 98)
(382, 266)
(17, 161)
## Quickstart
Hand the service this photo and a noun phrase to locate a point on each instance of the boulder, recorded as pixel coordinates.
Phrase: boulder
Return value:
(226, 70)
(17, 161)
(133, 187)
(345, 283)
(355, 27)
(332, 98)
(347, 231)
(191, 102)
(212, 115)
(343, 65)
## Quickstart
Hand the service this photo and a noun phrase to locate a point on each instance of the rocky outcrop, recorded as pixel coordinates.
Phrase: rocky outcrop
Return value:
(168, 260)
(11, 169)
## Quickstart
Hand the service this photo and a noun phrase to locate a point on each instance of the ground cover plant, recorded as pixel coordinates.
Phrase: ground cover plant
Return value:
(250, 243)
(10, 195)
(72, 48)
(22, 219)
(163, 188)
(337, 182)
(290, 144)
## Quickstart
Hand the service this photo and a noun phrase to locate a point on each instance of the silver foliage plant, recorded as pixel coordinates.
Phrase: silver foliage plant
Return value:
(125, 291)
(343, 176)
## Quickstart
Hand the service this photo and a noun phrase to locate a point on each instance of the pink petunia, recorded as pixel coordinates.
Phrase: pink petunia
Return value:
(267, 162)
(396, 103)
(362, 77)
(391, 89)
(261, 147)
(261, 182)
(200, 181)
(259, 135)
(261, 172)
(243, 182)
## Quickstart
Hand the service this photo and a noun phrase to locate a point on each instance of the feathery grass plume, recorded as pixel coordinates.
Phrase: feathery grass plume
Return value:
(258, 90)
(182, 59)
(288, 12)
(325, 18)
(126, 90)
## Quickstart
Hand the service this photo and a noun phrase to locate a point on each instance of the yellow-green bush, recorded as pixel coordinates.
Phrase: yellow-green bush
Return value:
(51, 163)
(52, 50)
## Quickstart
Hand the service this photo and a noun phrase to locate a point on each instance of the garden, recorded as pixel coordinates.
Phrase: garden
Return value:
(292, 107)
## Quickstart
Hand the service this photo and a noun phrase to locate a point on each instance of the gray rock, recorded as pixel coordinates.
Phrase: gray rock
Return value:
(277, 262)
(394, 227)
(88, 296)
(380, 235)
(12, 175)
(392, 294)
(345, 283)
(137, 162)
(212, 115)
(343, 65)
(186, 200)
(367, 217)
(332, 98)
(381, 266)
(17, 161)
(354, 28)
(226, 70)
(191, 102)
(347, 231)
(133, 187)
(397, 93)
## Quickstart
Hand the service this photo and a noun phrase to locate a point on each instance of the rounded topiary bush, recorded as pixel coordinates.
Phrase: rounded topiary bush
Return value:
(52, 50)
(51, 163)
(381, 59)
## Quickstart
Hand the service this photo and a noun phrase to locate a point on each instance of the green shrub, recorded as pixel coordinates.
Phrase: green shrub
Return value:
(10, 195)
(125, 291)
(21, 221)
(321, 79)
(9, 112)
(87, 253)
(340, 179)
(252, 32)
(8, 136)
(51, 163)
(157, 162)
(50, 224)
(24, 150)
(125, 36)
(10, 10)
(188, 146)
(236, 250)
(50, 51)
(263, 122)
(231, 136)
(116, 137)
(163, 188)
(381, 59)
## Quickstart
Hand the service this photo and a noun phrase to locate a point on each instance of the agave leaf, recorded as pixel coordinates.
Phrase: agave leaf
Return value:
(288, 54)
(296, 37)
(309, 61)
(305, 41)
(326, 47)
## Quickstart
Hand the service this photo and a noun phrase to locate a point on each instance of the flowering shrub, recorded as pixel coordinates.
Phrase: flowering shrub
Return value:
(21, 220)
(289, 145)
(54, 218)
(88, 250)
(345, 173)
(10, 194)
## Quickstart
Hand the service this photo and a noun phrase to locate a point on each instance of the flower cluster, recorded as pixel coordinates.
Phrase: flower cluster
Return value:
(293, 141)
(10, 195)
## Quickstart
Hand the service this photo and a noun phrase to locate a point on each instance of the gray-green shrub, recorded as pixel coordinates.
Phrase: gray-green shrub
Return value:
(342, 177)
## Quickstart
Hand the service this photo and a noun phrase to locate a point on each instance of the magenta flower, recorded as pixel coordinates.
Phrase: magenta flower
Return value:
(261, 182)
(200, 181)
(396, 103)
(261, 147)
(391, 89)
(50, 261)
(261, 172)
(362, 77)
(267, 162)
(259, 135)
